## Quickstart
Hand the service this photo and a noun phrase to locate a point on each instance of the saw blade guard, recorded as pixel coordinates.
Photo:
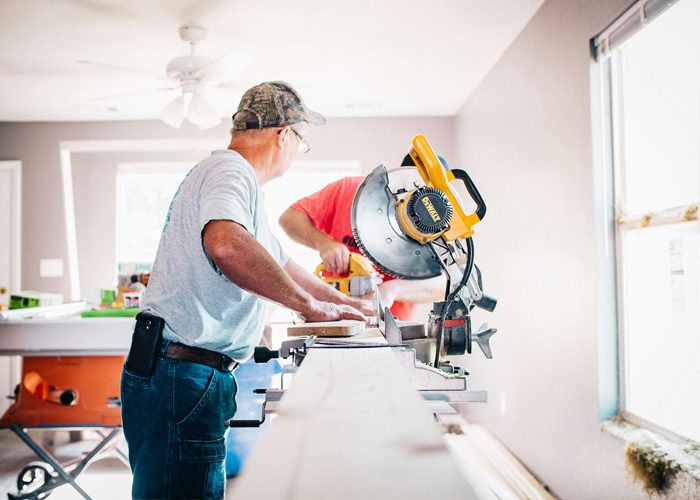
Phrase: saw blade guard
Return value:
(376, 228)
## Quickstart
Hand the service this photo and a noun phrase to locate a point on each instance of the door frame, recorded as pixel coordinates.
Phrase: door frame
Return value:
(15, 168)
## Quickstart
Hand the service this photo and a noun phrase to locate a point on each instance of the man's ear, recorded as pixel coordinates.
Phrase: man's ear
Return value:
(283, 137)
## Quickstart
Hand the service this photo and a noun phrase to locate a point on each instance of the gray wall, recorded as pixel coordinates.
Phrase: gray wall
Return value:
(525, 134)
(368, 140)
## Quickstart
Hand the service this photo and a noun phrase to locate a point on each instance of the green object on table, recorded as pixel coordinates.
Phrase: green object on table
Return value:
(108, 296)
(20, 302)
(111, 313)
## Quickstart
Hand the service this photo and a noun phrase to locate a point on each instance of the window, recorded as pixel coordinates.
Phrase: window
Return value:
(654, 76)
(302, 179)
(144, 193)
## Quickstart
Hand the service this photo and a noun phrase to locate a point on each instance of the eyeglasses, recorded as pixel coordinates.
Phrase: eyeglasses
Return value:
(303, 146)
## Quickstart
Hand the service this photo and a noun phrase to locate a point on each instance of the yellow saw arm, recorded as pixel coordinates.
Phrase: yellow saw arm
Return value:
(435, 176)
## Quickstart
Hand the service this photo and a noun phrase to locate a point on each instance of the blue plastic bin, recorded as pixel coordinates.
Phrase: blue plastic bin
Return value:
(241, 441)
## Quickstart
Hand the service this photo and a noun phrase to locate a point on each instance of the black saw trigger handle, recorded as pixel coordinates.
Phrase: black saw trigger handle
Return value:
(473, 191)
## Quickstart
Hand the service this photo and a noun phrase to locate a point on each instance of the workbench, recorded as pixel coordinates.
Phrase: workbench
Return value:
(351, 427)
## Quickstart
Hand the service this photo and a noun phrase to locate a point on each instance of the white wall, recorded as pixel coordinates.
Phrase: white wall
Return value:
(525, 134)
(368, 140)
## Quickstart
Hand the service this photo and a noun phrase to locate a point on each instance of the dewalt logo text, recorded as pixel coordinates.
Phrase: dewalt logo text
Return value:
(431, 209)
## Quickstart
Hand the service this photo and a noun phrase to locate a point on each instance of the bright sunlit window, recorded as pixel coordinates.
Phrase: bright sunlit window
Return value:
(144, 193)
(302, 179)
(656, 142)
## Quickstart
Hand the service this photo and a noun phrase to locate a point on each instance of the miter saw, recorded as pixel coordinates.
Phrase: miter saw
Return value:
(412, 223)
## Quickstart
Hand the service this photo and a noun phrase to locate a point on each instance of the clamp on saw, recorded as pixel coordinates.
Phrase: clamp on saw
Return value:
(356, 282)
(412, 223)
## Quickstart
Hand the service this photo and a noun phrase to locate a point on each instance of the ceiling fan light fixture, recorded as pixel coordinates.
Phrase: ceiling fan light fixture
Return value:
(174, 113)
(193, 75)
(201, 113)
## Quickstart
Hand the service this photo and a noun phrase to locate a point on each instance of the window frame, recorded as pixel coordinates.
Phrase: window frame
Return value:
(607, 78)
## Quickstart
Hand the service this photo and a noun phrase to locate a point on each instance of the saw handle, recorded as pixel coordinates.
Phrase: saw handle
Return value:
(472, 190)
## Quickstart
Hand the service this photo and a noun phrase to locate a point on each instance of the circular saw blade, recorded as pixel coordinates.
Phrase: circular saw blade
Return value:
(379, 237)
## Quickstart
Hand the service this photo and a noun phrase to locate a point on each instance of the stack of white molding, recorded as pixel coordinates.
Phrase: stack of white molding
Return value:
(492, 471)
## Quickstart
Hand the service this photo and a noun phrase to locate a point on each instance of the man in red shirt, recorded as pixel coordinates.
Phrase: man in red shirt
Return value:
(322, 221)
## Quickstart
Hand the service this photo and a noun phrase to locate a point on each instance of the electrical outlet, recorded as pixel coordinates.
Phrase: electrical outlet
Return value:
(50, 268)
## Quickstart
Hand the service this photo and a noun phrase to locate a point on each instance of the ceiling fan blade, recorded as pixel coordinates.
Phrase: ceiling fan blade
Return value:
(133, 92)
(235, 84)
(174, 113)
(201, 113)
(226, 67)
(122, 68)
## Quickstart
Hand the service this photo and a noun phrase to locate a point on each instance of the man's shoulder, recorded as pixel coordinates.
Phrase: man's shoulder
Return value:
(353, 180)
(227, 162)
(226, 159)
(348, 184)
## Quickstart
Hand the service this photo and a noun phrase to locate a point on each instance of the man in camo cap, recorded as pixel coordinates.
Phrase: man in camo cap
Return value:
(216, 259)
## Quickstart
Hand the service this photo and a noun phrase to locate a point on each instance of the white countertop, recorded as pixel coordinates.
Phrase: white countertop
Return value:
(69, 335)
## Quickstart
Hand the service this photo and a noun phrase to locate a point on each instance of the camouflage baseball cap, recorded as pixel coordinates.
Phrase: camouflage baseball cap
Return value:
(273, 104)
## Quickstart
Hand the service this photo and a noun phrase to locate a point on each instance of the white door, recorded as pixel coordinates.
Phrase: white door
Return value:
(10, 254)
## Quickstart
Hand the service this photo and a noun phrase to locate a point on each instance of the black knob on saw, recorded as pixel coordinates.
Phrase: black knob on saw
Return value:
(262, 354)
(430, 210)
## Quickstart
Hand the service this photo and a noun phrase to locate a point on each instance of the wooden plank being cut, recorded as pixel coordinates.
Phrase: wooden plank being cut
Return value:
(351, 427)
(344, 328)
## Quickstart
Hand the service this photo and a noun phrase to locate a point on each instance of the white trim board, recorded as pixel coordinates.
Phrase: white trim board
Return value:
(13, 369)
(16, 226)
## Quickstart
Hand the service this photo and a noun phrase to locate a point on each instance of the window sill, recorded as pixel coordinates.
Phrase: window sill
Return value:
(663, 466)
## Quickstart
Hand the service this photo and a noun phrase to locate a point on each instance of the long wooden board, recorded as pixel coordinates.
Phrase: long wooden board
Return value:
(344, 328)
(351, 427)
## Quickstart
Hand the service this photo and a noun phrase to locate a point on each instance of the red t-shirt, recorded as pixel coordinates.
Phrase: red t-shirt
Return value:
(330, 211)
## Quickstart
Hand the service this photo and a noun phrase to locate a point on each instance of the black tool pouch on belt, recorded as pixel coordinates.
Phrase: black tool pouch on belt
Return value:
(145, 344)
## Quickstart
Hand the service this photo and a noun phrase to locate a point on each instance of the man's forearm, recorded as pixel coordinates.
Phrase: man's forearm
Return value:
(244, 261)
(300, 228)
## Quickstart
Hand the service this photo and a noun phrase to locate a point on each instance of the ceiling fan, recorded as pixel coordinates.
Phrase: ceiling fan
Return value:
(193, 75)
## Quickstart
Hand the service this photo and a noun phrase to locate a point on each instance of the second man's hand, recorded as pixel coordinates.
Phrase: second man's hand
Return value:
(335, 256)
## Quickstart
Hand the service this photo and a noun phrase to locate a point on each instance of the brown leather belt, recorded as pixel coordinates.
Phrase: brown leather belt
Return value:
(201, 356)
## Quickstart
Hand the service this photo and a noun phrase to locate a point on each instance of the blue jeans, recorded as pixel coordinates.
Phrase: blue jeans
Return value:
(174, 424)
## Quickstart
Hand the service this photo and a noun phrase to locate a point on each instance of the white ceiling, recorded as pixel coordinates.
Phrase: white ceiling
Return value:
(347, 58)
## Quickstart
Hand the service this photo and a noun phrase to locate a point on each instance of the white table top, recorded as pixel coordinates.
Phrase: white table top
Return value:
(70, 335)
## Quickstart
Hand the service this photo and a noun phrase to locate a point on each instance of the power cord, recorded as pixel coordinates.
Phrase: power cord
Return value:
(450, 298)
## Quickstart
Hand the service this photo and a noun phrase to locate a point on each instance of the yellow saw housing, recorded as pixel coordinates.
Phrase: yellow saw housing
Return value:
(432, 211)
(357, 282)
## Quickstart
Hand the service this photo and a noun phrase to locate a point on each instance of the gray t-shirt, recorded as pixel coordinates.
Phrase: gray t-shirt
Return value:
(200, 305)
